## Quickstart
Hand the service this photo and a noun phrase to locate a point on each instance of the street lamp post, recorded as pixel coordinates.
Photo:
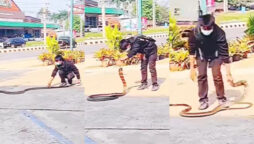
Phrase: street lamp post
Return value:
(203, 7)
(140, 17)
(71, 25)
(225, 5)
(103, 18)
(44, 22)
(154, 14)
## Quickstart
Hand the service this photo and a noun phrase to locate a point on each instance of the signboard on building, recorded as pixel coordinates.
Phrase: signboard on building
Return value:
(184, 10)
(210, 6)
(5, 3)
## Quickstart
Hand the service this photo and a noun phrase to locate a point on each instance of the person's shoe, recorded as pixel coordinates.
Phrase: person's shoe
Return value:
(63, 84)
(155, 87)
(142, 86)
(223, 103)
(203, 105)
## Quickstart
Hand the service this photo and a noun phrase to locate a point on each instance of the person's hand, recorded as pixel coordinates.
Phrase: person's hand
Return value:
(193, 74)
(78, 82)
(49, 84)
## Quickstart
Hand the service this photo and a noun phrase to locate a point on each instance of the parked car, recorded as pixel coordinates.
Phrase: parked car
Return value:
(14, 42)
(87, 28)
(96, 29)
(64, 42)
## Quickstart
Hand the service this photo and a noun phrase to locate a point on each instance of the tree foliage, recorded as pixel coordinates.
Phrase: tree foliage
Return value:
(162, 14)
(76, 23)
(60, 16)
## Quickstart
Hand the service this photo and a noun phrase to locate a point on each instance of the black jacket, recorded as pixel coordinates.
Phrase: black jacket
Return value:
(209, 47)
(67, 68)
(143, 45)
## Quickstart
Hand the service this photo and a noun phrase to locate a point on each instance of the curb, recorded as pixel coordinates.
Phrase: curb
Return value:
(233, 25)
(8, 50)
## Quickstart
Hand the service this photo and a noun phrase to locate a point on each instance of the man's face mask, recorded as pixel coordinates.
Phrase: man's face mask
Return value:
(206, 30)
(58, 63)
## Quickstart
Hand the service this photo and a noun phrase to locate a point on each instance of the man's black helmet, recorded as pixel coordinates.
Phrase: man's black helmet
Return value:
(123, 44)
(59, 58)
(206, 20)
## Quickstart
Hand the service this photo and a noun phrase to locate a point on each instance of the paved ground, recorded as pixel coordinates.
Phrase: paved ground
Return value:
(139, 117)
(41, 116)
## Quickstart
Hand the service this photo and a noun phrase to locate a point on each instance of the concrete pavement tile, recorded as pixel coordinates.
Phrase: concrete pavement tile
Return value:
(71, 98)
(128, 112)
(69, 124)
(129, 137)
(211, 130)
(15, 128)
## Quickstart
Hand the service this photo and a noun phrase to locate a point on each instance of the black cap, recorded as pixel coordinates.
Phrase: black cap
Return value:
(123, 44)
(206, 20)
(59, 58)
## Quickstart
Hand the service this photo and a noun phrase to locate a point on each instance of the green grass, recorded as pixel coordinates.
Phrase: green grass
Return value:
(34, 43)
(156, 31)
(233, 17)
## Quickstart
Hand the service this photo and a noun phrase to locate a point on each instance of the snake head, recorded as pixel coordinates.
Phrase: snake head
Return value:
(244, 83)
(240, 83)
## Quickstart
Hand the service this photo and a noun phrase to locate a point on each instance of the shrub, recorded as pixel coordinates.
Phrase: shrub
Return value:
(174, 36)
(250, 25)
(52, 45)
(114, 36)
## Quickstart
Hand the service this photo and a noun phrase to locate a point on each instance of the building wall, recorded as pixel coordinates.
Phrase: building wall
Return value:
(32, 19)
(10, 11)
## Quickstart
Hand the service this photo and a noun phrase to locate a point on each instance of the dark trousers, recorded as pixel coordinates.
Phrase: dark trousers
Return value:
(151, 61)
(63, 75)
(215, 65)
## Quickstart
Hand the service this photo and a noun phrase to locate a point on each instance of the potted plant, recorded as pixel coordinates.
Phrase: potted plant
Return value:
(161, 53)
(47, 58)
(117, 58)
(177, 60)
(105, 56)
(244, 48)
(234, 52)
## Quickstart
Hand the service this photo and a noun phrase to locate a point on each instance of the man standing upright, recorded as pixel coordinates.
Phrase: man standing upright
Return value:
(209, 48)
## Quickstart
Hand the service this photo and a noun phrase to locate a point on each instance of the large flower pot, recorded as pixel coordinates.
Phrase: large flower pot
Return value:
(161, 57)
(47, 62)
(245, 55)
(236, 57)
(104, 63)
(80, 60)
(119, 63)
(174, 67)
